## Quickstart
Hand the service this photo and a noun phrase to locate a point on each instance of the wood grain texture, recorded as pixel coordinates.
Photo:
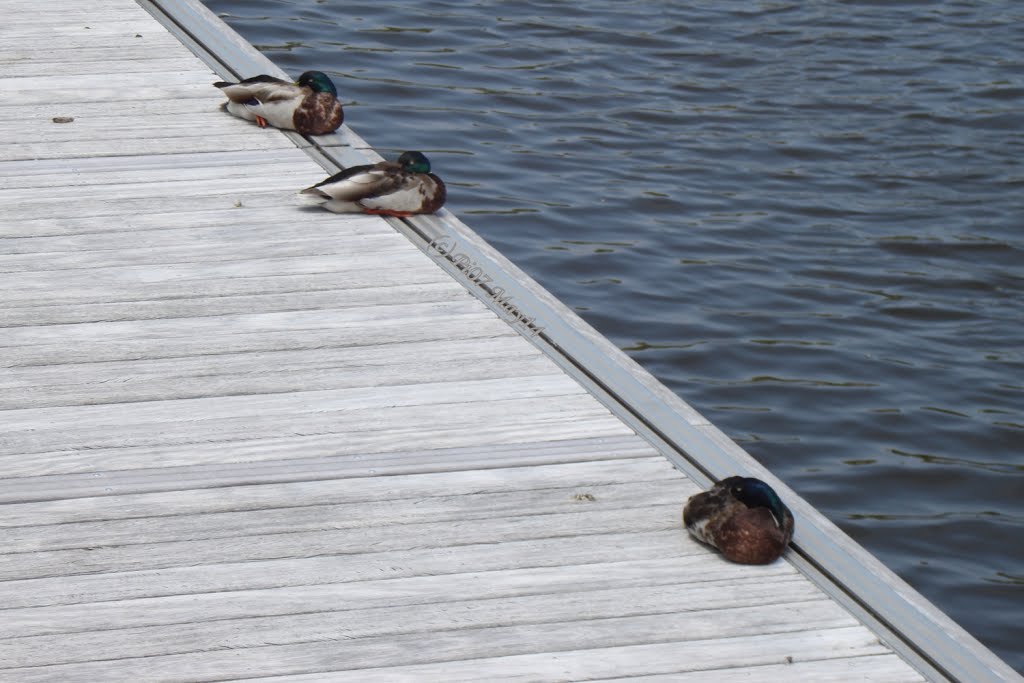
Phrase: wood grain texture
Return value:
(243, 438)
(881, 668)
(457, 654)
(655, 578)
(655, 612)
(311, 518)
(45, 493)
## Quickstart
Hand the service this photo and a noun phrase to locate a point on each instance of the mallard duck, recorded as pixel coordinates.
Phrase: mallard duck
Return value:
(309, 106)
(392, 188)
(743, 517)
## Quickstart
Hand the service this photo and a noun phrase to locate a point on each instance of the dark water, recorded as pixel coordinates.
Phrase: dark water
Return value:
(805, 218)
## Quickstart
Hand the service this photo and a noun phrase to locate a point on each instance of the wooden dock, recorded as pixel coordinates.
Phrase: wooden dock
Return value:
(245, 439)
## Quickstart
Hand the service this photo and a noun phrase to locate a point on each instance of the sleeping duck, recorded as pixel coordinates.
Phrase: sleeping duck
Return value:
(391, 188)
(743, 517)
(309, 106)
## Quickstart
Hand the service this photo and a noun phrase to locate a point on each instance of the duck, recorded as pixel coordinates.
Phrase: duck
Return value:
(308, 106)
(402, 188)
(743, 518)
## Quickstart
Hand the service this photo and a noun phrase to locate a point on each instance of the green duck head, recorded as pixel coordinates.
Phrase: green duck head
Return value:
(318, 81)
(414, 162)
(755, 493)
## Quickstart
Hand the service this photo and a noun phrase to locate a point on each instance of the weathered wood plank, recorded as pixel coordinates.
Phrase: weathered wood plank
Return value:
(365, 429)
(116, 209)
(125, 278)
(137, 167)
(380, 247)
(20, 16)
(357, 359)
(58, 314)
(595, 520)
(99, 32)
(583, 615)
(42, 175)
(262, 233)
(98, 9)
(467, 647)
(160, 184)
(342, 569)
(196, 102)
(676, 580)
(102, 61)
(883, 668)
(261, 381)
(397, 509)
(119, 131)
(174, 295)
(355, 333)
(320, 479)
(58, 87)
(113, 93)
(880, 668)
(285, 360)
(184, 227)
(31, 40)
(286, 405)
(295, 294)
(142, 145)
(242, 323)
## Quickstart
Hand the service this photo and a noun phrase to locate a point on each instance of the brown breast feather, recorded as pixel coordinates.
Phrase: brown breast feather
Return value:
(319, 114)
(751, 537)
